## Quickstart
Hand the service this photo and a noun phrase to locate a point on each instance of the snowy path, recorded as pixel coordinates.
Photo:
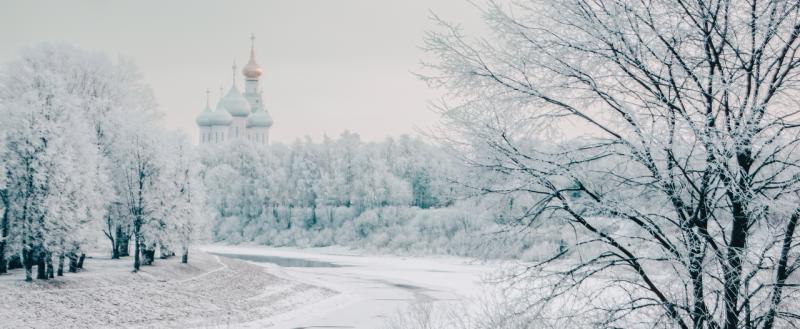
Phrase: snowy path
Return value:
(371, 288)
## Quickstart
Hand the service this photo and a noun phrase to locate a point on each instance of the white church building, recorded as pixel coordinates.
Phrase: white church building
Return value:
(237, 115)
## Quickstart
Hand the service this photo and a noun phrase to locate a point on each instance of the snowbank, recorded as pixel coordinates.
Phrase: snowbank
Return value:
(208, 292)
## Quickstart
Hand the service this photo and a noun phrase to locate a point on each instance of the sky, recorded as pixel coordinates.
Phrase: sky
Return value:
(329, 65)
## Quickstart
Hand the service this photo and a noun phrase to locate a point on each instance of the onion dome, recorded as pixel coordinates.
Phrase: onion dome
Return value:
(220, 116)
(252, 71)
(234, 102)
(259, 119)
(203, 118)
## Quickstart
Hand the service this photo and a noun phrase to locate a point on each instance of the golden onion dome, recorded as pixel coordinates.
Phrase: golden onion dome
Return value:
(252, 70)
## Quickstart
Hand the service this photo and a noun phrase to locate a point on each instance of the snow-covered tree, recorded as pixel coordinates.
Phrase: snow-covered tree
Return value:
(137, 164)
(303, 192)
(303, 174)
(662, 133)
(53, 170)
(83, 153)
(181, 197)
(120, 101)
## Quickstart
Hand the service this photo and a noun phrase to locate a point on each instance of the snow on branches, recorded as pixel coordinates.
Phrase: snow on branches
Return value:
(81, 153)
(664, 133)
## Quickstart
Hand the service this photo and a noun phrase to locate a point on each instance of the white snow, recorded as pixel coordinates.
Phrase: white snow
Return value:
(219, 292)
(371, 288)
(208, 292)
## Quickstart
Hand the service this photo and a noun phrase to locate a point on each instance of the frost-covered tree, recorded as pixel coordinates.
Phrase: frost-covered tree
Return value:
(83, 153)
(115, 228)
(237, 182)
(137, 164)
(676, 169)
(182, 200)
(53, 170)
(303, 192)
(120, 102)
(303, 174)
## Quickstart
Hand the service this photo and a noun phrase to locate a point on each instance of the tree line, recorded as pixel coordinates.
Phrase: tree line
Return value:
(83, 153)
(309, 186)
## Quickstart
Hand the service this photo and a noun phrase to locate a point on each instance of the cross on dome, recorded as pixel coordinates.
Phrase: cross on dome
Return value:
(234, 73)
(252, 70)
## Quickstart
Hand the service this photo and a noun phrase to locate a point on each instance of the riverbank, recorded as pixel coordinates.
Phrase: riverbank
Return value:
(210, 291)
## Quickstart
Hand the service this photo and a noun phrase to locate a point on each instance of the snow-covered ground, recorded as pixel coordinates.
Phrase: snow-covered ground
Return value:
(371, 288)
(311, 288)
(210, 291)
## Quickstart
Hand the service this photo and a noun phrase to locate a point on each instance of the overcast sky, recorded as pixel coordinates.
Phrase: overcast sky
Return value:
(329, 65)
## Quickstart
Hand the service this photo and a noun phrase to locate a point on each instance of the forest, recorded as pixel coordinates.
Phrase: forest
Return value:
(400, 195)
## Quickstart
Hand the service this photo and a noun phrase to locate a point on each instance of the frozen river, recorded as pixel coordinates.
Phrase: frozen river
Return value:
(371, 288)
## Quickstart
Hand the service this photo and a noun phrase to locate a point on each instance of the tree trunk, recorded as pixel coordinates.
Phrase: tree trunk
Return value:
(3, 262)
(185, 257)
(148, 255)
(4, 233)
(313, 220)
(41, 270)
(732, 273)
(60, 264)
(15, 261)
(114, 250)
(165, 252)
(123, 242)
(80, 260)
(49, 262)
(73, 262)
(782, 272)
(699, 312)
(27, 262)
(109, 231)
(136, 249)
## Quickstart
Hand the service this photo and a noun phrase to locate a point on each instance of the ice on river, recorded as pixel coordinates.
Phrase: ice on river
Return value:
(371, 288)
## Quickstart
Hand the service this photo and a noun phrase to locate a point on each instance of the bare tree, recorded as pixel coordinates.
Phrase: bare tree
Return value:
(662, 132)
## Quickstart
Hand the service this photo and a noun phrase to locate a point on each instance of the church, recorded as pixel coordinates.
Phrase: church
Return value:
(237, 115)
